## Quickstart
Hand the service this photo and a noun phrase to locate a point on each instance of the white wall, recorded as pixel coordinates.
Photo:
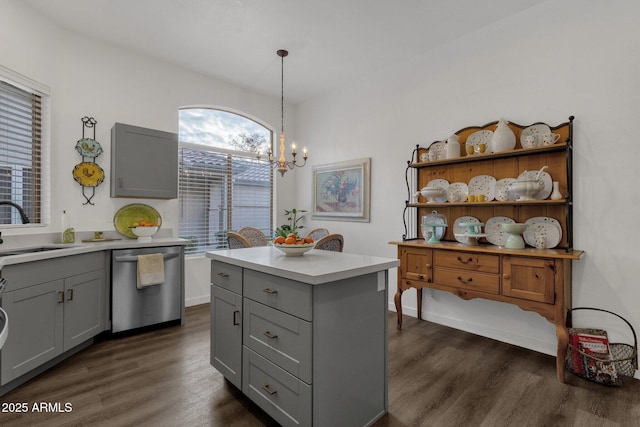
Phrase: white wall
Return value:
(557, 59)
(90, 78)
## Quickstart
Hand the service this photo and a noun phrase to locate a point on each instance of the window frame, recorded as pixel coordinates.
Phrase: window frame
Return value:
(44, 194)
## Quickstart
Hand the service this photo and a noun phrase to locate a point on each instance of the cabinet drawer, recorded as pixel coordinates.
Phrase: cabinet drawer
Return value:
(285, 295)
(279, 337)
(463, 279)
(468, 261)
(278, 393)
(226, 276)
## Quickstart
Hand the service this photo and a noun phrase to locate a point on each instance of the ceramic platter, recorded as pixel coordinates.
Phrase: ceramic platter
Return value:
(88, 174)
(493, 229)
(135, 212)
(536, 131)
(549, 231)
(88, 147)
(483, 184)
(457, 192)
(459, 231)
(502, 189)
(546, 179)
(479, 137)
(442, 184)
(428, 221)
(439, 149)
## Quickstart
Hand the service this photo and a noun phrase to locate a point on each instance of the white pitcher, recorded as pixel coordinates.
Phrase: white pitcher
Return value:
(503, 138)
(453, 147)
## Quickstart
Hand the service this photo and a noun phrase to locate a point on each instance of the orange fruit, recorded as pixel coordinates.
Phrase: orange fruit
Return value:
(279, 240)
(308, 239)
(294, 235)
(290, 241)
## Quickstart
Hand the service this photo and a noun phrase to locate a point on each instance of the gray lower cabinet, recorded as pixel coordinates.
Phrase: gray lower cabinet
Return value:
(53, 305)
(309, 354)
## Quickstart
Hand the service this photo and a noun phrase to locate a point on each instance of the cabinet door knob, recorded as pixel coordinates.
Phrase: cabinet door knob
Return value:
(268, 390)
(428, 266)
(269, 335)
(269, 291)
(506, 276)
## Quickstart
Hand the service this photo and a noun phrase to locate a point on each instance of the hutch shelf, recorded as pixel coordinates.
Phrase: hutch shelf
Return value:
(537, 280)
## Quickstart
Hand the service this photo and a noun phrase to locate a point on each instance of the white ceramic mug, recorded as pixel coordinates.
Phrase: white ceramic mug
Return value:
(550, 138)
(529, 141)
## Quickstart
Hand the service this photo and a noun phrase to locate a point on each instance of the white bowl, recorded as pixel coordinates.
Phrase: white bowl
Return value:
(294, 250)
(526, 189)
(433, 193)
(144, 233)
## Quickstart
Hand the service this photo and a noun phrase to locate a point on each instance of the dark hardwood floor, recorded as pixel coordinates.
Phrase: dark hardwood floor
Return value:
(438, 377)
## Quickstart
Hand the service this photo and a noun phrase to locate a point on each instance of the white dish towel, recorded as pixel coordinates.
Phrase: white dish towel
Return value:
(150, 270)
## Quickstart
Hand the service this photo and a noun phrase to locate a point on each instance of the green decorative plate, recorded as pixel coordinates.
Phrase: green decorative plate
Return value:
(135, 212)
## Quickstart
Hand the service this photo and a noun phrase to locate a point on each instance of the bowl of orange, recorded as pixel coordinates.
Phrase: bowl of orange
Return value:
(292, 245)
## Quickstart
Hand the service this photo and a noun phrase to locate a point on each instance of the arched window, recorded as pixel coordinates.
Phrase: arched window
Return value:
(222, 186)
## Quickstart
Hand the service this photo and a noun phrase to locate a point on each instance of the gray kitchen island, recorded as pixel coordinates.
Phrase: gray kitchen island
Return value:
(303, 337)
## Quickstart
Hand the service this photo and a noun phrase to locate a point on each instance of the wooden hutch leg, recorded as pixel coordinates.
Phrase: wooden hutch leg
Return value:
(563, 342)
(419, 297)
(398, 301)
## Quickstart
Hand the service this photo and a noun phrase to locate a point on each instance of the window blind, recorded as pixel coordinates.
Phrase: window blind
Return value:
(220, 192)
(20, 153)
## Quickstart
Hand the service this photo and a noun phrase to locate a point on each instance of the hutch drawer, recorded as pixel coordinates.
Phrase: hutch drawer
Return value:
(467, 261)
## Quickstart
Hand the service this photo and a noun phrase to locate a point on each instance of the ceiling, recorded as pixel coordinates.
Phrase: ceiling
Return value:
(331, 42)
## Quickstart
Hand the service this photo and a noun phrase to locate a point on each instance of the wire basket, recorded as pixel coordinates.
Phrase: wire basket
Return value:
(613, 370)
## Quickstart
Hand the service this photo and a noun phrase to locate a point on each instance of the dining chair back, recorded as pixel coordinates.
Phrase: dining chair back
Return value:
(318, 233)
(332, 242)
(237, 241)
(255, 236)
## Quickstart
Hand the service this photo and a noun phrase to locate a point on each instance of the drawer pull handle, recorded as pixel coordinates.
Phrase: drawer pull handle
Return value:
(269, 291)
(235, 318)
(465, 262)
(69, 294)
(469, 280)
(60, 297)
(269, 335)
(221, 274)
(268, 389)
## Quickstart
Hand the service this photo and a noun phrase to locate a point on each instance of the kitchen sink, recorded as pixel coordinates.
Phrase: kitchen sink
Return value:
(31, 250)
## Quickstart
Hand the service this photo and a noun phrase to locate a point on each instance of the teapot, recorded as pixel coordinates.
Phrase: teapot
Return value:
(526, 189)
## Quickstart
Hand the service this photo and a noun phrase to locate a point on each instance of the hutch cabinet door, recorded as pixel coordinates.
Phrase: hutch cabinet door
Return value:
(417, 264)
(532, 279)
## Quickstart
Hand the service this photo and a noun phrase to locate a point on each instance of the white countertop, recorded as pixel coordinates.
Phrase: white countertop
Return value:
(81, 248)
(314, 267)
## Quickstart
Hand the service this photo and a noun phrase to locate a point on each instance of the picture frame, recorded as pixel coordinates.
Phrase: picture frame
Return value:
(341, 191)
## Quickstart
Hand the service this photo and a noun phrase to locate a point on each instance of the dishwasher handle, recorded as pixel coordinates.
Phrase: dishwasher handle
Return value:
(134, 258)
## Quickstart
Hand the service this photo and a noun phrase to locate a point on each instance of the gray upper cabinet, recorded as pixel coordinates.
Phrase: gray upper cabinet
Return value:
(144, 163)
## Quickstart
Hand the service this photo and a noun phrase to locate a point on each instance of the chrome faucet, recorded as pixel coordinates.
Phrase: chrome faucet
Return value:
(23, 216)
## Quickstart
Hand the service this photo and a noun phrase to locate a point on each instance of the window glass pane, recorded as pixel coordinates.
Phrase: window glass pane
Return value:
(222, 129)
(221, 190)
(20, 153)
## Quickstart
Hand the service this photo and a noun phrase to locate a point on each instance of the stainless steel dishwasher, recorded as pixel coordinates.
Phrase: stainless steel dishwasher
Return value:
(133, 308)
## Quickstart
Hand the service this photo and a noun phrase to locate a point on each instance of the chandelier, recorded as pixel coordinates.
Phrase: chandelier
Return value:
(282, 164)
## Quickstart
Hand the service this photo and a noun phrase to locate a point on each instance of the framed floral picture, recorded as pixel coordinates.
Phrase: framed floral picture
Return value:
(341, 190)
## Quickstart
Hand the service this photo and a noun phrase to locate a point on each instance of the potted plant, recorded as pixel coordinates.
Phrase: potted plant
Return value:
(292, 227)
